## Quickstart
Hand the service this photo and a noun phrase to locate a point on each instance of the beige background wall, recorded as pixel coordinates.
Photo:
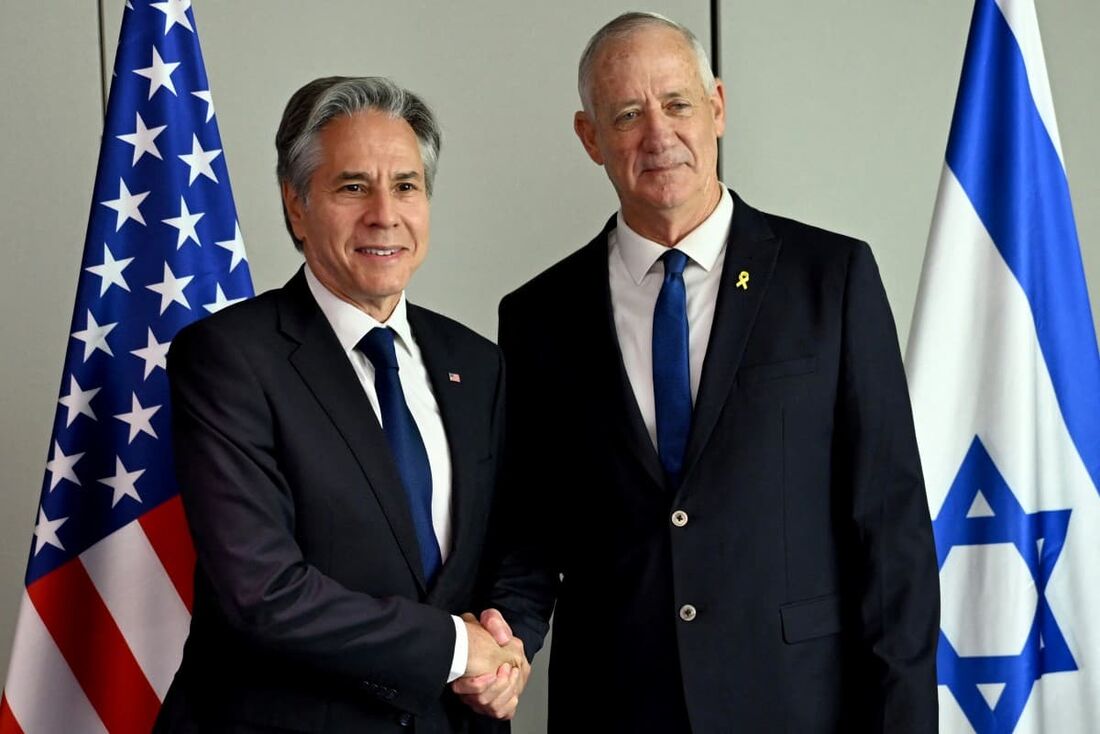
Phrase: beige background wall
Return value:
(839, 112)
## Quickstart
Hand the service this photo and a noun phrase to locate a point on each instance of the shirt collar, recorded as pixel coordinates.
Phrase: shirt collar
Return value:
(350, 323)
(702, 245)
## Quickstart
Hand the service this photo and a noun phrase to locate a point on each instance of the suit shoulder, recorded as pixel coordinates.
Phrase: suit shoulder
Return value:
(562, 275)
(451, 331)
(814, 244)
(237, 322)
(800, 234)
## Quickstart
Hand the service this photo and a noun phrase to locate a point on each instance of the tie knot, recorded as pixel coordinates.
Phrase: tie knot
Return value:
(377, 346)
(675, 262)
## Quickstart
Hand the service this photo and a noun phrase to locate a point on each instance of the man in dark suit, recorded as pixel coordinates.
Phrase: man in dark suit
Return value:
(710, 445)
(336, 448)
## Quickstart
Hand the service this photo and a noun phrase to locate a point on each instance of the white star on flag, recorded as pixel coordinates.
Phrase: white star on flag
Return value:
(199, 161)
(204, 95)
(235, 246)
(143, 139)
(94, 336)
(171, 289)
(159, 74)
(61, 466)
(78, 401)
(122, 482)
(127, 205)
(185, 223)
(139, 419)
(154, 354)
(45, 532)
(175, 11)
(110, 271)
(220, 301)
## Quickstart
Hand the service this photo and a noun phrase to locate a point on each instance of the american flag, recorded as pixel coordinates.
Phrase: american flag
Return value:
(108, 588)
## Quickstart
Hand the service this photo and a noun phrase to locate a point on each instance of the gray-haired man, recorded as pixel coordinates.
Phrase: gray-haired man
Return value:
(738, 521)
(336, 451)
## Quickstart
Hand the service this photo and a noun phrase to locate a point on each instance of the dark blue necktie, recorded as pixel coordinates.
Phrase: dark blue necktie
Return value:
(671, 380)
(405, 442)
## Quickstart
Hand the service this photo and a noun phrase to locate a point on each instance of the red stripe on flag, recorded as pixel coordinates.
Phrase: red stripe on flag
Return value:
(94, 648)
(8, 724)
(166, 528)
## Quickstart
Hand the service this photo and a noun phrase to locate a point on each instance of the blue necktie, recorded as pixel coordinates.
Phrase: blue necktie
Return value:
(405, 442)
(671, 380)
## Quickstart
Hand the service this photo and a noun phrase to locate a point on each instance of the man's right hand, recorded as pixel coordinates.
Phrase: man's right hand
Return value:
(495, 694)
(486, 655)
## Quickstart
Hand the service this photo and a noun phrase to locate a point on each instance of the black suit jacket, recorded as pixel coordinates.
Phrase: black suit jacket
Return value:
(311, 610)
(806, 551)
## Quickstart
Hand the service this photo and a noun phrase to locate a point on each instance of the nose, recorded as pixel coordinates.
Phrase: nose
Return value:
(658, 131)
(380, 210)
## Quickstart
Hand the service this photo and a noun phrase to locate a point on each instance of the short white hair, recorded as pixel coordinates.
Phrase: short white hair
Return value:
(622, 27)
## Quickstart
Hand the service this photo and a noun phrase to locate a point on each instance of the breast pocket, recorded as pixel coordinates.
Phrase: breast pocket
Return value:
(758, 373)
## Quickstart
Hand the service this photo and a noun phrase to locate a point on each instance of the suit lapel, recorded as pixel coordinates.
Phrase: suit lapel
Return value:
(752, 248)
(609, 366)
(322, 365)
(442, 360)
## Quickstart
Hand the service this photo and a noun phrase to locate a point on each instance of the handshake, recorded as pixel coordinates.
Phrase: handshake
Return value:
(496, 667)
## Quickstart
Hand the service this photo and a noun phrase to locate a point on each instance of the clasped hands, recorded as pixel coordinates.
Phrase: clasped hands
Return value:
(496, 667)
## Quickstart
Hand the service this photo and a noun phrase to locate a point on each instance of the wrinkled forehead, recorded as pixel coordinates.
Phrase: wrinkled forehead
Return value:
(654, 60)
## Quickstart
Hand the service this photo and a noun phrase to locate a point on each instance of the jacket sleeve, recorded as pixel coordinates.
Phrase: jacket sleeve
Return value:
(895, 559)
(527, 570)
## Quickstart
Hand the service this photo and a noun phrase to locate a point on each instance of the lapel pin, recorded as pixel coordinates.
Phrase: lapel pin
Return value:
(743, 280)
(454, 377)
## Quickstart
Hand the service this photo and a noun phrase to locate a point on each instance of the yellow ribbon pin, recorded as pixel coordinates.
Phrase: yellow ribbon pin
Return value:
(743, 280)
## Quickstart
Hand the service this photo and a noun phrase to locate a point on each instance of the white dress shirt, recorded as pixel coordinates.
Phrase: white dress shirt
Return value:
(636, 271)
(351, 325)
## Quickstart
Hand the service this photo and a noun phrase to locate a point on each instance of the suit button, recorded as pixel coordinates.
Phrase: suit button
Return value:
(679, 518)
(404, 719)
(687, 612)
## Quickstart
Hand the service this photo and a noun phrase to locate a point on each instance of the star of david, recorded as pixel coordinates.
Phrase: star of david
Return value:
(1038, 537)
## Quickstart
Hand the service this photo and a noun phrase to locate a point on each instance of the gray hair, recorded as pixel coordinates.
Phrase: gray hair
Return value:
(622, 27)
(319, 102)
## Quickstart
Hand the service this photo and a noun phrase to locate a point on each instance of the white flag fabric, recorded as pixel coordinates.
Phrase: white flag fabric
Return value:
(1005, 380)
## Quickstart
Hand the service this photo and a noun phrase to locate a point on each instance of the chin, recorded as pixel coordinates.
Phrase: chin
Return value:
(666, 199)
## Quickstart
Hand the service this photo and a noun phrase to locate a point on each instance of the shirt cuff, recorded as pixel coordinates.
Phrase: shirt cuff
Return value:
(462, 649)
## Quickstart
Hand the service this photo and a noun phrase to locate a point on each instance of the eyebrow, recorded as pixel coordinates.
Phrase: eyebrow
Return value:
(664, 97)
(363, 176)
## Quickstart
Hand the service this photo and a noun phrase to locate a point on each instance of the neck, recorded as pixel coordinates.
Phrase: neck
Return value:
(669, 226)
(379, 309)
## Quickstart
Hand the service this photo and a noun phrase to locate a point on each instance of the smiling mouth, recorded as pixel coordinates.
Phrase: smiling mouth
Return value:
(378, 251)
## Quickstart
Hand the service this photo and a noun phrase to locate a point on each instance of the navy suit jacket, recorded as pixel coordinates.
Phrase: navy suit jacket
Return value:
(805, 552)
(311, 609)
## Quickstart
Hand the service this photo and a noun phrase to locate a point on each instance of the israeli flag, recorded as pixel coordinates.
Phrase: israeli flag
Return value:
(1005, 381)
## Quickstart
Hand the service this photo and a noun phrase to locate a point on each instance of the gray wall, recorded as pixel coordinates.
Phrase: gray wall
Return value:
(838, 114)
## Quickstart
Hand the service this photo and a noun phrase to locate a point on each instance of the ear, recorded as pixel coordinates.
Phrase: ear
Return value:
(585, 129)
(295, 209)
(718, 106)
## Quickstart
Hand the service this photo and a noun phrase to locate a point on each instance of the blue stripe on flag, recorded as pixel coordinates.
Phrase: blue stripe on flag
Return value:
(1005, 160)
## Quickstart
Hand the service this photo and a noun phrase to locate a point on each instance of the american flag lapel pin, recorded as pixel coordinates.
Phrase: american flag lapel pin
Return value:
(454, 377)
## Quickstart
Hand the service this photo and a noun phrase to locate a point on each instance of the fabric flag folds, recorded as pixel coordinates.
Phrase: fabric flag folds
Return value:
(1005, 380)
(108, 587)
